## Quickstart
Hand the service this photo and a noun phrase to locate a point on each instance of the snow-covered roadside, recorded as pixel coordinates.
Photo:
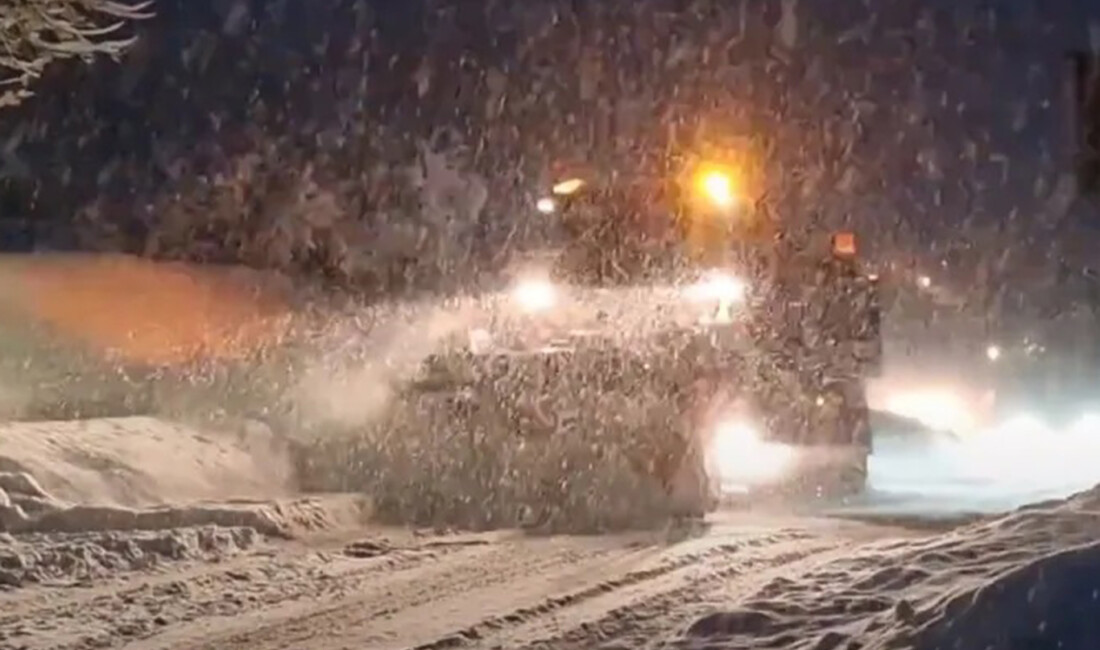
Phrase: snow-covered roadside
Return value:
(88, 501)
(142, 461)
(1029, 580)
(199, 572)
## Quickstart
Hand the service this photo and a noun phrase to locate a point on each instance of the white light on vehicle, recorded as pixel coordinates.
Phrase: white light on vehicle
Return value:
(567, 187)
(993, 352)
(546, 205)
(720, 287)
(742, 458)
(535, 295)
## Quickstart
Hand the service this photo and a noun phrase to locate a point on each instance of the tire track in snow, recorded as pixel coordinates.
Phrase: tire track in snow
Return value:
(651, 620)
(508, 591)
(201, 592)
(541, 611)
(367, 613)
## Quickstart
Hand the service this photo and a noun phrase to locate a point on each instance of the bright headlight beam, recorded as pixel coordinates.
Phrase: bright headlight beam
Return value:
(535, 295)
(721, 287)
(742, 458)
(546, 205)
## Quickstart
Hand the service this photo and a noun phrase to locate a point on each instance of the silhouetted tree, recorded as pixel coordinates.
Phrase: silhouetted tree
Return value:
(35, 33)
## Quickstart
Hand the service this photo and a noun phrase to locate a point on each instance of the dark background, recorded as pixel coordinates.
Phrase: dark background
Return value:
(937, 127)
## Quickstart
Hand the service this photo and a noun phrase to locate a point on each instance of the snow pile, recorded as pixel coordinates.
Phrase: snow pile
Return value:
(1029, 580)
(137, 475)
(142, 462)
(71, 559)
(25, 508)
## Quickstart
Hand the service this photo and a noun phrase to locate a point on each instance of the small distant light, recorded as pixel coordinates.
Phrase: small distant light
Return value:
(844, 244)
(993, 352)
(546, 205)
(565, 188)
(924, 281)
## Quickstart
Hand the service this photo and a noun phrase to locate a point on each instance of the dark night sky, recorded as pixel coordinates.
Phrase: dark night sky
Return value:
(996, 85)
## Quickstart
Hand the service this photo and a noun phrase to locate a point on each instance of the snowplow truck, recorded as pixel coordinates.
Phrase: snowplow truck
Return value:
(673, 329)
(665, 343)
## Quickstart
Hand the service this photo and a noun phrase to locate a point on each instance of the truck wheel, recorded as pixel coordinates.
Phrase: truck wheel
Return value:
(852, 475)
(847, 422)
(845, 414)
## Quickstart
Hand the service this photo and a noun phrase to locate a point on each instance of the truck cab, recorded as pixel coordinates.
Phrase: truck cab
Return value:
(809, 311)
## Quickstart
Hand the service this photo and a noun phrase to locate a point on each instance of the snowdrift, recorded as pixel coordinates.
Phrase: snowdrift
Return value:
(144, 461)
(1026, 581)
(145, 474)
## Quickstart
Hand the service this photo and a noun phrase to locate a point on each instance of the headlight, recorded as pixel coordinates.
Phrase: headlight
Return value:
(535, 295)
(741, 458)
(546, 205)
(718, 287)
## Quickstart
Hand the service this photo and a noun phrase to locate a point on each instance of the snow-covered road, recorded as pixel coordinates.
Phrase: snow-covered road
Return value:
(392, 589)
(743, 580)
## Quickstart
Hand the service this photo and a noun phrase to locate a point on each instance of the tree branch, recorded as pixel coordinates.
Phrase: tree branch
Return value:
(35, 33)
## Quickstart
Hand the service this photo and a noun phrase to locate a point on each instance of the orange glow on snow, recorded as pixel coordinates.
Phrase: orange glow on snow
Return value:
(140, 311)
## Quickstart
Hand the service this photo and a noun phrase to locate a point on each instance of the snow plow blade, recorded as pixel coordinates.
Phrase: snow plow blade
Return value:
(554, 441)
(592, 437)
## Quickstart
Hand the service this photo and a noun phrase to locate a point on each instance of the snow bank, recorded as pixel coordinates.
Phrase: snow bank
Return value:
(66, 559)
(142, 462)
(136, 475)
(1029, 580)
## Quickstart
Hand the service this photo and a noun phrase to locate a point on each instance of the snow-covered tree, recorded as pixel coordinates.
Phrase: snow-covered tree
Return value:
(35, 33)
